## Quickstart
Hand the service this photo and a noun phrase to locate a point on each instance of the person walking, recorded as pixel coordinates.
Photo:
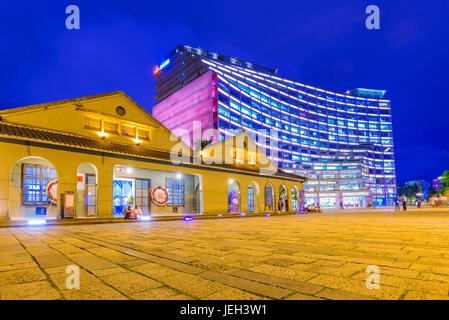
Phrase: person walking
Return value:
(404, 202)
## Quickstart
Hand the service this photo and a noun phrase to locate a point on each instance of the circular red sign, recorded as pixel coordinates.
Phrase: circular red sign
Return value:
(159, 196)
(52, 191)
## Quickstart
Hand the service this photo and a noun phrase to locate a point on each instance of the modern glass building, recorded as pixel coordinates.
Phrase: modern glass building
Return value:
(342, 142)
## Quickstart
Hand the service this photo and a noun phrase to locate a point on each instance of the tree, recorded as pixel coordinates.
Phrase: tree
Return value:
(445, 182)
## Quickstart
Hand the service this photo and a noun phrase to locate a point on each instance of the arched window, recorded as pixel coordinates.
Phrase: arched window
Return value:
(283, 199)
(269, 197)
(33, 189)
(253, 197)
(233, 196)
(295, 199)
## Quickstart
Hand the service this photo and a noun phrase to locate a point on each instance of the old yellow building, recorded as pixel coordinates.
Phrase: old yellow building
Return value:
(92, 157)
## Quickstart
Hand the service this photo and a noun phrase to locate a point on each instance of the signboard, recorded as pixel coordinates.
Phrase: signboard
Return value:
(69, 200)
(159, 196)
(41, 211)
(52, 191)
(68, 203)
(162, 66)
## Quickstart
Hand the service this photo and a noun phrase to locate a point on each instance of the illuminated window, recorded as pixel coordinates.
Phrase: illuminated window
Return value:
(35, 179)
(268, 198)
(92, 123)
(175, 188)
(110, 127)
(143, 134)
(128, 131)
(251, 196)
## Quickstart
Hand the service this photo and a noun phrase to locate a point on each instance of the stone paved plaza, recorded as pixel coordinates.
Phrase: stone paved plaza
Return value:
(320, 256)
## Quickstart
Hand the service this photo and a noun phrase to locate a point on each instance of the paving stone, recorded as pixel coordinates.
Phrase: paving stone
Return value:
(333, 294)
(419, 295)
(130, 283)
(252, 286)
(285, 272)
(21, 276)
(233, 294)
(277, 281)
(52, 260)
(300, 296)
(162, 293)
(91, 262)
(193, 285)
(39, 290)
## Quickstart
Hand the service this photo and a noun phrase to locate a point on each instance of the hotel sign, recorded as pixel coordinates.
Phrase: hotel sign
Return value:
(161, 66)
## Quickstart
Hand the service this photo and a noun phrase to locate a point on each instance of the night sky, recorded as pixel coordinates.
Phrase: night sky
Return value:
(321, 43)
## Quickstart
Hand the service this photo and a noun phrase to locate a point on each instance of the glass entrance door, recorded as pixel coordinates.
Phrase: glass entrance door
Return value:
(90, 202)
(143, 187)
(123, 193)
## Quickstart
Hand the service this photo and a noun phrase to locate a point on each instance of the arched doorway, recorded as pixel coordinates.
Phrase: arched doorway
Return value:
(295, 199)
(283, 199)
(86, 190)
(269, 198)
(33, 189)
(234, 203)
(253, 197)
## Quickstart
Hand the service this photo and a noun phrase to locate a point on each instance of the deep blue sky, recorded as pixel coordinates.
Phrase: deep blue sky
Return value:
(323, 43)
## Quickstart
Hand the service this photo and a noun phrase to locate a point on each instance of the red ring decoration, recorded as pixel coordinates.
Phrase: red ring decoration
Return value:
(51, 192)
(159, 195)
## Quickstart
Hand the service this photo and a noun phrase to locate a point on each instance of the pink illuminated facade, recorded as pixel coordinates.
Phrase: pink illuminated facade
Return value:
(196, 101)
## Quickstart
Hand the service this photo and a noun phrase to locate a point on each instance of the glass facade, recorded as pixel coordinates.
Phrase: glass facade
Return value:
(343, 143)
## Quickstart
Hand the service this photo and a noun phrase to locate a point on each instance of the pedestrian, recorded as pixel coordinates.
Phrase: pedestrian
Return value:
(128, 212)
(404, 202)
(137, 213)
(396, 203)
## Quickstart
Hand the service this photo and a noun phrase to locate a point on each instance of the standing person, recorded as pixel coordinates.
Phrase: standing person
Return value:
(419, 203)
(396, 203)
(404, 202)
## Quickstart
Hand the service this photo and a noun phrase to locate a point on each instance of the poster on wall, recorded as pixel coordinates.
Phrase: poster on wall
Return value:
(234, 205)
(52, 191)
(159, 196)
(41, 211)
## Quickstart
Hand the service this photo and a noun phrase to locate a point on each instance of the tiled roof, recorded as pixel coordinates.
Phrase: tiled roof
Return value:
(51, 137)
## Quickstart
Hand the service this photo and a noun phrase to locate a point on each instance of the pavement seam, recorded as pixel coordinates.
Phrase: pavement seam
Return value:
(131, 270)
(199, 274)
(52, 284)
(81, 267)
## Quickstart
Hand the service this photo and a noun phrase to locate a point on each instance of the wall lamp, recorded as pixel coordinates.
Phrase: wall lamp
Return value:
(102, 134)
(137, 141)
